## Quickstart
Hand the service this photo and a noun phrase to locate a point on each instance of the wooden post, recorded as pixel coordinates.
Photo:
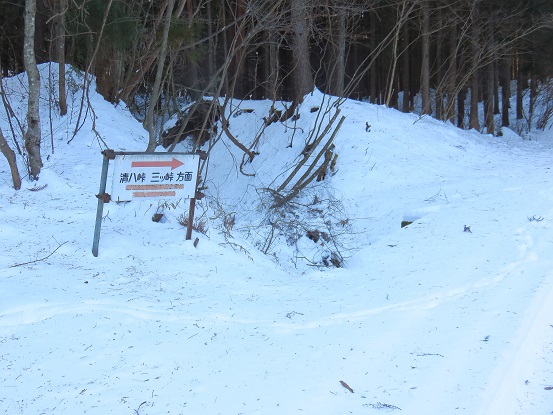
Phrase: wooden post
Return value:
(197, 195)
(190, 219)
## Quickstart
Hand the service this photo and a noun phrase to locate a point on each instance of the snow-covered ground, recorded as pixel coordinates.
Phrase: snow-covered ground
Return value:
(452, 314)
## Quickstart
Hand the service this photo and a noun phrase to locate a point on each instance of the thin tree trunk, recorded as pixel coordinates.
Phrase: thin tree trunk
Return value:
(532, 103)
(301, 69)
(148, 55)
(474, 121)
(239, 80)
(338, 64)
(60, 7)
(489, 85)
(461, 108)
(372, 70)
(452, 75)
(193, 63)
(10, 157)
(521, 83)
(425, 65)
(273, 66)
(495, 80)
(488, 99)
(33, 134)
(211, 57)
(156, 90)
(405, 107)
(391, 90)
(505, 91)
(441, 79)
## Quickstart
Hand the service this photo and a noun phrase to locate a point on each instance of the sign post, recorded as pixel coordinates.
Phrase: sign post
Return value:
(100, 208)
(139, 176)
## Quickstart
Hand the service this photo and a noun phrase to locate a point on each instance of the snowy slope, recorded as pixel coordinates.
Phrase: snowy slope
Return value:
(426, 319)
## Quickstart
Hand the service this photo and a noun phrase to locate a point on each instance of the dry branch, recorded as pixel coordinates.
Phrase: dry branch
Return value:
(308, 153)
(40, 259)
(309, 175)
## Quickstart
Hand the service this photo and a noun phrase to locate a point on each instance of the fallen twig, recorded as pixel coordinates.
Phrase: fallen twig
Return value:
(38, 260)
(139, 406)
(380, 405)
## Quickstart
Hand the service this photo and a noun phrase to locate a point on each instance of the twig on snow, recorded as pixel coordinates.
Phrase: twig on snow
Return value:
(380, 405)
(40, 259)
(138, 409)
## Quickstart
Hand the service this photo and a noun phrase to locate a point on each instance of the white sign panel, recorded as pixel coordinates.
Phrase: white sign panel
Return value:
(154, 175)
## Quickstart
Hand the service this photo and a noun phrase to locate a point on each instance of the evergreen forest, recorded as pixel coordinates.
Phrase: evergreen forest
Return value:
(463, 61)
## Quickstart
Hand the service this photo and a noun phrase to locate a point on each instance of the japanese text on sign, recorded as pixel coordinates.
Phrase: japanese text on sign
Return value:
(154, 176)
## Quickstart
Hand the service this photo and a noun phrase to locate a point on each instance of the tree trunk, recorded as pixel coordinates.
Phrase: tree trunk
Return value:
(211, 57)
(461, 108)
(405, 107)
(156, 90)
(489, 83)
(452, 75)
(441, 79)
(495, 80)
(239, 81)
(488, 99)
(192, 59)
(505, 91)
(32, 135)
(273, 66)
(532, 103)
(391, 87)
(372, 70)
(148, 54)
(338, 64)
(521, 84)
(474, 122)
(301, 69)
(10, 157)
(425, 65)
(60, 7)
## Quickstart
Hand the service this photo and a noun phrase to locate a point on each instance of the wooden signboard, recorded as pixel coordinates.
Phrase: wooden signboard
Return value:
(162, 176)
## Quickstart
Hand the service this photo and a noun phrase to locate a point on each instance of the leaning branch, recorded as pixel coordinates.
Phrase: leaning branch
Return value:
(224, 125)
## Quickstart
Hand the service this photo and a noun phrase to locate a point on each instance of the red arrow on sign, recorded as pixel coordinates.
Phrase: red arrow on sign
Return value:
(174, 163)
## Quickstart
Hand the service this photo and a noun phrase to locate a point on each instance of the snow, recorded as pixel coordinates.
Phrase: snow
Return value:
(425, 319)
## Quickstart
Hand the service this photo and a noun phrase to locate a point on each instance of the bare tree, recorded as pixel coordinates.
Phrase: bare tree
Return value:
(505, 81)
(156, 92)
(10, 157)
(59, 33)
(58, 8)
(146, 53)
(452, 75)
(337, 36)
(425, 69)
(33, 133)
(301, 69)
(405, 78)
(403, 13)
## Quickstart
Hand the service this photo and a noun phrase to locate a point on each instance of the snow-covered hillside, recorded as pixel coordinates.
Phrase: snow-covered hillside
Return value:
(452, 314)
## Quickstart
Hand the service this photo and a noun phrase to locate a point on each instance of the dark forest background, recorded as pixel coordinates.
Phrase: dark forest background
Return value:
(450, 59)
